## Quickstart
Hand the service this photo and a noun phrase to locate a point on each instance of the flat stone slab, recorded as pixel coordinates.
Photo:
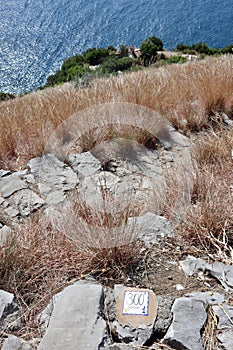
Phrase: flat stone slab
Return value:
(223, 272)
(224, 313)
(189, 316)
(192, 265)
(105, 187)
(11, 184)
(76, 321)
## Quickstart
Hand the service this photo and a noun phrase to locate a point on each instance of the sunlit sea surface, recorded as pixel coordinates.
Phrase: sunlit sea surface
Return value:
(37, 35)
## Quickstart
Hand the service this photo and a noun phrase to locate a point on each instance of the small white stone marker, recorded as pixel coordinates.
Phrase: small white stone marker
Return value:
(136, 307)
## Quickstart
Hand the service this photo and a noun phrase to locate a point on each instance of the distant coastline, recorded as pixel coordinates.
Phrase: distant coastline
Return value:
(103, 62)
(37, 36)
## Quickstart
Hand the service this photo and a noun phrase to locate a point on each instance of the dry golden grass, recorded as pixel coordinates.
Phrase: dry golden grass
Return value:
(209, 220)
(187, 95)
(38, 261)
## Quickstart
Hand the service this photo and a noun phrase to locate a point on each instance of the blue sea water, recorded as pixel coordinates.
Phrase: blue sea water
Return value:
(37, 35)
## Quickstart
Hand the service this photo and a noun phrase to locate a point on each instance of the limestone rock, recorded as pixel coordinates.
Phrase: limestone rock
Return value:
(85, 164)
(175, 139)
(150, 227)
(189, 316)
(127, 333)
(226, 339)
(27, 201)
(210, 298)
(54, 178)
(4, 172)
(224, 313)
(14, 343)
(8, 306)
(76, 321)
(11, 184)
(106, 187)
(164, 315)
(223, 272)
(12, 212)
(192, 265)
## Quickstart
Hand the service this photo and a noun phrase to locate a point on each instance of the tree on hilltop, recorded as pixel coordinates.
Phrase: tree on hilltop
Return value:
(149, 49)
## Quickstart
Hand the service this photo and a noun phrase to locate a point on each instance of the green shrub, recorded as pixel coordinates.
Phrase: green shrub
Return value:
(4, 96)
(72, 61)
(95, 57)
(227, 49)
(115, 65)
(57, 78)
(176, 59)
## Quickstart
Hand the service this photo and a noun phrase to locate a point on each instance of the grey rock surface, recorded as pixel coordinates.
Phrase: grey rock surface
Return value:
(85, 164)
(148, 162)
(189, 316)
(26, 201)
(224, 313)
(226, 339)
(4, 172)
(8, 306)
(164, 315)
(192, 265)
(176, 139)
(11, 184)
(12, 212)
(15, 343)
(76, 321)
(150, 227)
(54, 178)
(105, 187)
(121, 346)
(210, 298)
(223, 272)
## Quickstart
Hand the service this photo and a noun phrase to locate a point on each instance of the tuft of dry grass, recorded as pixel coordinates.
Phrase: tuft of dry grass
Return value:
(102, 233)
(187, 95)
(209, 220)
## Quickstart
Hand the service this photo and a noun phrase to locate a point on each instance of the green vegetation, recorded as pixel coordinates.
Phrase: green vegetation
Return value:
(4, 96)
(149, 49)
(203, 49)
(101, 62)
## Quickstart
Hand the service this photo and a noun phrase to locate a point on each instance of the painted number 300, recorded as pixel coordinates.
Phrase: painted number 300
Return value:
(136, 298)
